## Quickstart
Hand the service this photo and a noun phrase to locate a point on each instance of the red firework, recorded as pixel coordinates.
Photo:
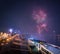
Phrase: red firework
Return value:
(40, 17)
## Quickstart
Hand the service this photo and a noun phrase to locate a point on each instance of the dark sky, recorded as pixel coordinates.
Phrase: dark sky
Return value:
(18, 14)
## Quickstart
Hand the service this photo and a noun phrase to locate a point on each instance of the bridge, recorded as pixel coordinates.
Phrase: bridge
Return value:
(20, 45)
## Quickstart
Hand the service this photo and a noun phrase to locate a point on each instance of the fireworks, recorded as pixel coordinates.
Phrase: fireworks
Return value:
(40, 18)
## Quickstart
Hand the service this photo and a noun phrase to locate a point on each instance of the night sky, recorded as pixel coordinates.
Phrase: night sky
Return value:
(18, 14)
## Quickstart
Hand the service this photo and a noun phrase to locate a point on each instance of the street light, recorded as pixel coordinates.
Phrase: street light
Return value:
(10, 30)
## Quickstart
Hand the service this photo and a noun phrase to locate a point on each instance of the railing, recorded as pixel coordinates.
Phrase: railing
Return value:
(46, 48)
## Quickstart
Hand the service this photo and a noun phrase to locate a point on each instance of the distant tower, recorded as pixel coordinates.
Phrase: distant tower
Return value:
(58, 38)
(54, 36)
